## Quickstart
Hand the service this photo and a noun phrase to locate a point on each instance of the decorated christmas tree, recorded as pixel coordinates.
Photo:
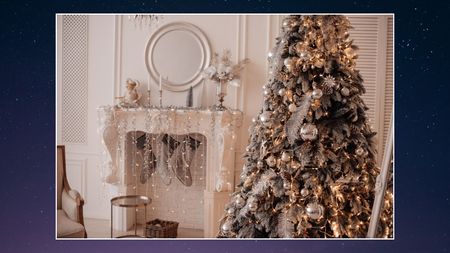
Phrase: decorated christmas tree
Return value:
(310, 167)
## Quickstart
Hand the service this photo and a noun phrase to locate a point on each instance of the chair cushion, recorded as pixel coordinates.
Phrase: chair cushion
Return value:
(67, 227)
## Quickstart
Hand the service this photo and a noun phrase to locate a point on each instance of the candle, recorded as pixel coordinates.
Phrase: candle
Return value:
(160, 83)
(148, 84)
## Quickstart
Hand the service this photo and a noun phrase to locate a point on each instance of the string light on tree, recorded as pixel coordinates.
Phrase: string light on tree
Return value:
(310, 165)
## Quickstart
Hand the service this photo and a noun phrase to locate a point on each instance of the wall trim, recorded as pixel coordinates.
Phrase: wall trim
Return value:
(82, 165)
(118, 28)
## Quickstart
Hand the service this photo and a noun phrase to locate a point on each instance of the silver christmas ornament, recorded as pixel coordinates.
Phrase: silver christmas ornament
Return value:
(304, 192)
(230, 210)
(240, 202)
(329, 81)
(266, 92)
(282, 91)
(285, 157)
(317, 93)
(265, 116)
(292, 107)
(286, 185)
(345, 91)
(309, 132)
(271, 161)
(253, 206)
(226, 226)
(260, 164)
(314, 211)
(253, 120)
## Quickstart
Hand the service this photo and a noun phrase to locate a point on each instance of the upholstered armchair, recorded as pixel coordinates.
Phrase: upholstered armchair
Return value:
(70, 222)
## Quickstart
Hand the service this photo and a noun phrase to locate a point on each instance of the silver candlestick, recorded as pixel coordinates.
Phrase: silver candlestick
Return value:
(149, 104)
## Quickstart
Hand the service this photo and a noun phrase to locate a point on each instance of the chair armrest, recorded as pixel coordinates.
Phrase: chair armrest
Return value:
(72, 204)
(77, 197)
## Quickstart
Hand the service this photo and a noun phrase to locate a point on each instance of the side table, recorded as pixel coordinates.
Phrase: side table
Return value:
(134, 201)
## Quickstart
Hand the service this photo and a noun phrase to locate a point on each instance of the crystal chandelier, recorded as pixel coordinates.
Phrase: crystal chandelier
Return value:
(145, 20)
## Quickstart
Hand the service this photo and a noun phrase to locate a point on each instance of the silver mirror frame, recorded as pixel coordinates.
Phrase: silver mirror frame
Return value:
(205, 49)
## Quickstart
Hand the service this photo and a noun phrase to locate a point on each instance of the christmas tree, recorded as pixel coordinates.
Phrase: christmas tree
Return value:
(310, 166)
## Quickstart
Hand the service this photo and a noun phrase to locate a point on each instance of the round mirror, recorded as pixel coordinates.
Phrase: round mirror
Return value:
(178, 52)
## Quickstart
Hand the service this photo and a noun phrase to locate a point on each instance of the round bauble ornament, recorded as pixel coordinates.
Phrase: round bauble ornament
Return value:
(240, 202)
(359, 151)
(285, 157)
(288, 62)
(226, 226)
(295, 165)
(266, 92)
(253, 206)
(292, 107)
(271, 161)
(345, 91)
(253, 120)
(317, 93)
(230, 210)
(260, 164)
(286, 185)
(314, 211)
(282, 91)
(304, 192)
(265, 116)
(309, 132)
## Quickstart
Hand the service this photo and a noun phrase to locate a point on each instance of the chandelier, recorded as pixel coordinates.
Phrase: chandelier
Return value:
(145, 20)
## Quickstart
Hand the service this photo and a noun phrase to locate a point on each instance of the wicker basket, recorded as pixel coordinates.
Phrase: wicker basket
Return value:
(161, 229)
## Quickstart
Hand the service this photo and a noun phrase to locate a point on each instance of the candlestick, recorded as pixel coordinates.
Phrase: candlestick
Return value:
(148, 101)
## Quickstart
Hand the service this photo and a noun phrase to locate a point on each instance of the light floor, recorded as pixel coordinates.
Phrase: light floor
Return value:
(97, 228)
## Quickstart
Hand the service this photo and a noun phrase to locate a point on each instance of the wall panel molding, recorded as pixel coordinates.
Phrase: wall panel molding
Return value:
(76, 175)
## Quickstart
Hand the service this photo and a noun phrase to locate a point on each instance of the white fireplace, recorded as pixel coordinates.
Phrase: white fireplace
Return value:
(213, 178)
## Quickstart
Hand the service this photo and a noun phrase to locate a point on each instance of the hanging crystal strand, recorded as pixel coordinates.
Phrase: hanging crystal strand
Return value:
(147, 150)
(133, 152)
(122, 129)
(187, 147)
(202, 153)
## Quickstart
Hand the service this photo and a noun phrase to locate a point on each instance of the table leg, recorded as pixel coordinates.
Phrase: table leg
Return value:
(135, 221)
(112, 221)
(145, 220)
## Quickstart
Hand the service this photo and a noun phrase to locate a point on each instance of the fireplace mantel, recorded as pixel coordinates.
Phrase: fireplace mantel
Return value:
(220, 128)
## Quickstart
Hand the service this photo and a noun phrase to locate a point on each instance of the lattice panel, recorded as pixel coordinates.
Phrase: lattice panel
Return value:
(74, 78)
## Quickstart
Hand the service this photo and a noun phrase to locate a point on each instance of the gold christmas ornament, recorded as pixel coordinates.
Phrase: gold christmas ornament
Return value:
(285, 157)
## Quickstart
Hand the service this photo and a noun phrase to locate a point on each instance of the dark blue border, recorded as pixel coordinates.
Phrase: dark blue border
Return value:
(27, 133)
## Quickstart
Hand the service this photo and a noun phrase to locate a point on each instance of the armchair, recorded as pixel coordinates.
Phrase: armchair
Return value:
(70, 221)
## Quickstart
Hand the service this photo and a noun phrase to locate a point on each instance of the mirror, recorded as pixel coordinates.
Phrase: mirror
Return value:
(179, 52)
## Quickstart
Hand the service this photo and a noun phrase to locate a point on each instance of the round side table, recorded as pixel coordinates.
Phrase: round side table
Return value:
(126, 201)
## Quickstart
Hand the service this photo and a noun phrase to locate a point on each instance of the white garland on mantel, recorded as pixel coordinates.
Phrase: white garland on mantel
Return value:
(219, 127)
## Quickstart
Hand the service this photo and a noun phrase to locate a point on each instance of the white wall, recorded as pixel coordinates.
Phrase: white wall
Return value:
(116, 52)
